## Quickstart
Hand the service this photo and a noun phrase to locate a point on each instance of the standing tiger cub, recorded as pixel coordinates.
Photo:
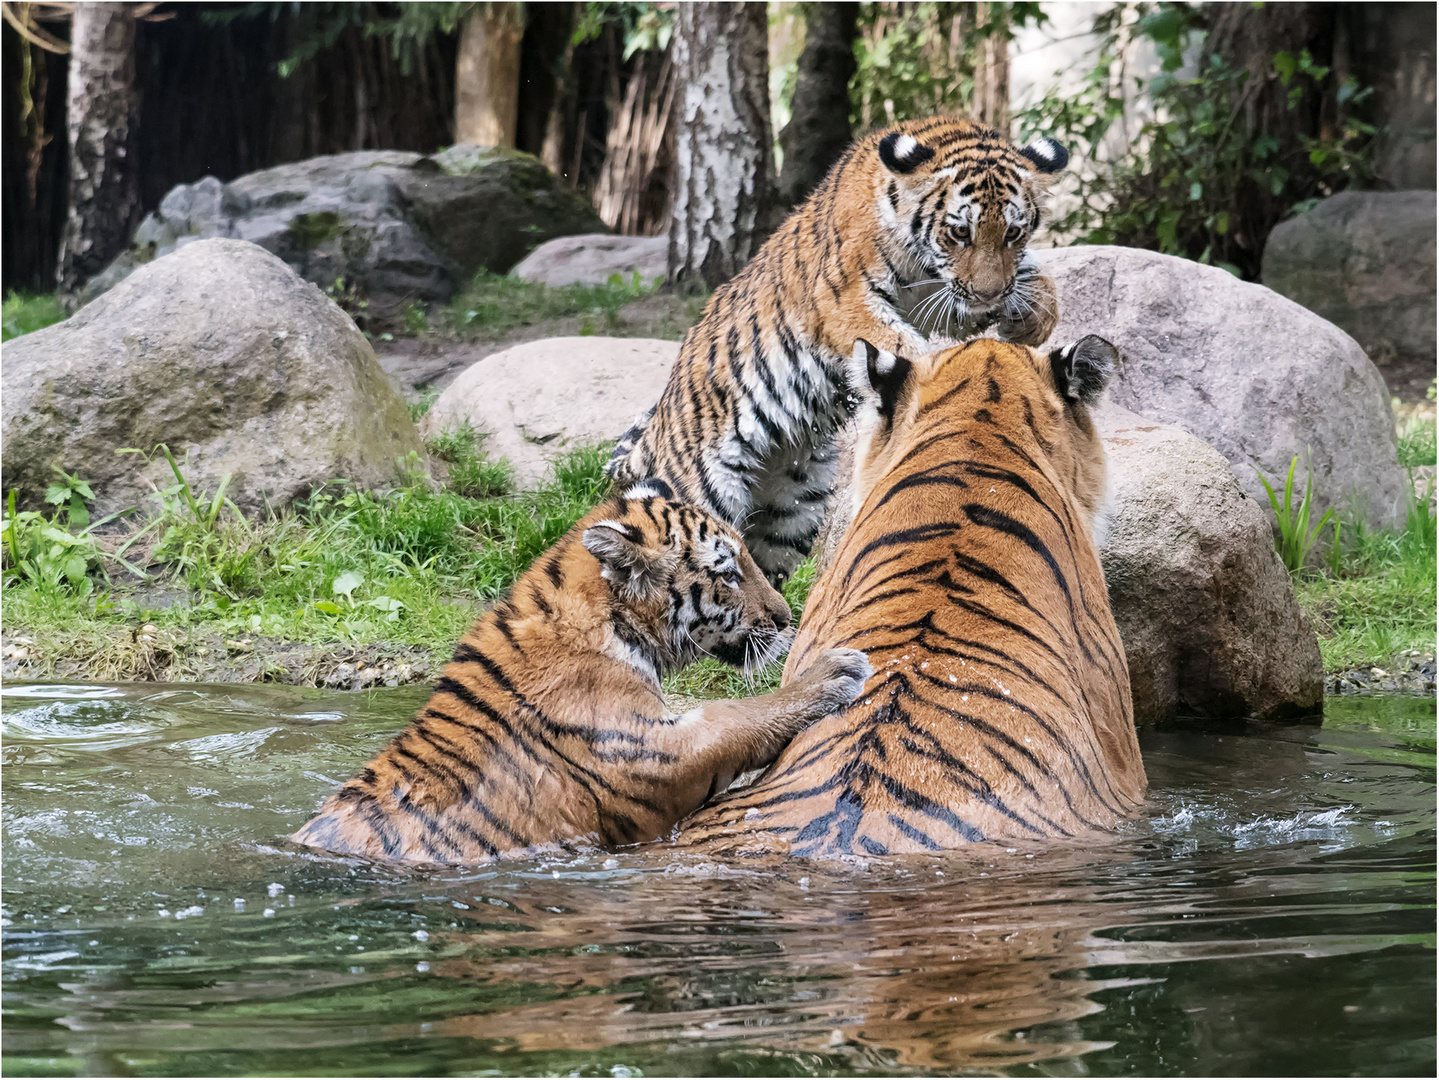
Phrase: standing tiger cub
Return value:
(746, 425)
(999, 708)
(548, 726)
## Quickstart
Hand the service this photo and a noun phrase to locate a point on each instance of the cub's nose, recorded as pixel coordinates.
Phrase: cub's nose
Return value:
(779, 618)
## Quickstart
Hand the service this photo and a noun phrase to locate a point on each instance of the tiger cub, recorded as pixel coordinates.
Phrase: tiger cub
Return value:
(746, 425)
(548, 726)
(999, 708)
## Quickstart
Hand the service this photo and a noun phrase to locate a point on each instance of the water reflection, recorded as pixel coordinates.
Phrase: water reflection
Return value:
(1272, 911)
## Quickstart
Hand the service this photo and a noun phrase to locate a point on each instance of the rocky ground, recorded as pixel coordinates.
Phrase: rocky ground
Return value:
(151, 654)
(1415, 677)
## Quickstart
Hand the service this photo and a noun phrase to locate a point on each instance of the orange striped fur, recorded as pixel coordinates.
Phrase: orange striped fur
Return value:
(999, 708)
(548, 728)
(917, 236)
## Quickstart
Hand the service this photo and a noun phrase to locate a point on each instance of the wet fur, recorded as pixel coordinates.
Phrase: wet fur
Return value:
(548, 728)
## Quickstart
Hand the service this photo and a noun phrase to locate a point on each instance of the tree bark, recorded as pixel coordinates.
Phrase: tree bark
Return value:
(104, 196)
(724, 174)
(818, 130)
(487, 75)
(991, 70)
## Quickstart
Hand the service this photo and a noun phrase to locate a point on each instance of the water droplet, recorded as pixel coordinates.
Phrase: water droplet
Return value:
(421, 935)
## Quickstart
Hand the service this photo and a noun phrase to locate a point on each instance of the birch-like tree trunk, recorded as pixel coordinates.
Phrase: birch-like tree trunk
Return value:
(818, 130)
(724, 169)
(487, 75)
(104, 112)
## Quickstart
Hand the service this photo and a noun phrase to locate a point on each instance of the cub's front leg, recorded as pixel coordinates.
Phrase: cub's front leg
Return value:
(719, 740)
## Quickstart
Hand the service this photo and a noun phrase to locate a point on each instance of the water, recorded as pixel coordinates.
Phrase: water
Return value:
(1271, 912)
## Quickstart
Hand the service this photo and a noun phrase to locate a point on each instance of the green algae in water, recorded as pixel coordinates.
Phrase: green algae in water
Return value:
(1271, 911)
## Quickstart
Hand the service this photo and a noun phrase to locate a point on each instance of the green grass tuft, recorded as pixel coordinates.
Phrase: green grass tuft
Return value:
(24, 313)
(495, 302)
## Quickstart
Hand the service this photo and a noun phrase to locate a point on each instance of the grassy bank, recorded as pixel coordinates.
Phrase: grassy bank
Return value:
(1372, 596)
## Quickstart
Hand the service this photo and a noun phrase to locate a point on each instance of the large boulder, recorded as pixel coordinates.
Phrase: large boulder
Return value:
(221, 352)
(1205, 607)
(542, 398)
(592, 259)
(394, 226)
(1253, 374)
(1364, 260)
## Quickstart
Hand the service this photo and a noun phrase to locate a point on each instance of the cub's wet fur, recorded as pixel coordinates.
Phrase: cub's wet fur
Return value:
(548, 727)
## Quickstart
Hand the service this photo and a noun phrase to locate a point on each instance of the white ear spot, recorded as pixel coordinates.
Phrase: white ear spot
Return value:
(884, 362)
(904, 147)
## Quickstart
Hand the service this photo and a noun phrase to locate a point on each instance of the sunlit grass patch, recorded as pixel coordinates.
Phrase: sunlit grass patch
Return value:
(24, 313)
(498, 302)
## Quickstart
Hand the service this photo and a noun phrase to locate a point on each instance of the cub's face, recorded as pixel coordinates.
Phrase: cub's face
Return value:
(1034, 398)
(961, 203)
(688, 581)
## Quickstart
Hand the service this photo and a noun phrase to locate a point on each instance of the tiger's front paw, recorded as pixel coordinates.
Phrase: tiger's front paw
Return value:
(838, 677)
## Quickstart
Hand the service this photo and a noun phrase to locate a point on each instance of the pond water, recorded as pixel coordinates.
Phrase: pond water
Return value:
(1272, 911)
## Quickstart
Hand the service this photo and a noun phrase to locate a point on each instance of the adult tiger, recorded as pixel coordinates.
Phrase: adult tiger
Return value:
(548, 727)
(746, 424)
(1000, 705)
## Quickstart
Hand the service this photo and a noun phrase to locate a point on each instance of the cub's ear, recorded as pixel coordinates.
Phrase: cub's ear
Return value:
(885, 373)
(624, 560)
(1048, 156)
(1082, 369)
(903, 154)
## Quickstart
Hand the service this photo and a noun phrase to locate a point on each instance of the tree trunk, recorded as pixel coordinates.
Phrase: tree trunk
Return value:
(724, 169)
(103, 113)
(632, 195)
(818, 130)
(487, 75)
(991, 70)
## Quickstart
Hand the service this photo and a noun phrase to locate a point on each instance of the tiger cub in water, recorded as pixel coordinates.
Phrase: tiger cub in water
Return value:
(746, 425)
(549, 727)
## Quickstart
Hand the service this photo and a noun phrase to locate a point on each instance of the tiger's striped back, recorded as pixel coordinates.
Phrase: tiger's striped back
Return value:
(1000, 704)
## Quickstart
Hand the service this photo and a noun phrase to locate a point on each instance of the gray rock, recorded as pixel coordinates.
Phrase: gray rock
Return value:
(542, 398)
(1364, 260)
(221, 352)
(397, 227)
(593, 258)
(1253, 374)
(1206, 609)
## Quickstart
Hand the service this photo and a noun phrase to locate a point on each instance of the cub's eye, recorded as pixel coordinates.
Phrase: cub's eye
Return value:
(1012, 234)
(960, 233)
(731, 577)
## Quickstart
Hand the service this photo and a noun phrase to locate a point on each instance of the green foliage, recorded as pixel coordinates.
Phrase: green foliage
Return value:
(1296, 538)
(1210, 171)
(24, 313)
(1377, 596)
(1416, 440)
(415, 320)
(344, 563)
(45, 554)
(496, 302)
(919, 59)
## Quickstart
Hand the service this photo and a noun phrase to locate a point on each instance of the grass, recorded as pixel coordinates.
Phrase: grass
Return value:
(494, 306)
(24, 313)
(1373, 599)
(407, 566)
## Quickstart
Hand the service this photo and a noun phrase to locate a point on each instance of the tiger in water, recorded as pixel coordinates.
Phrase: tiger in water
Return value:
(918, 232)
(1000, 706)
(548, 728)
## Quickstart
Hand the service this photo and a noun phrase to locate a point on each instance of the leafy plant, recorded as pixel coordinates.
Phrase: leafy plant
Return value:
(1296, 538)
(415, 320)
(1205, 174)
